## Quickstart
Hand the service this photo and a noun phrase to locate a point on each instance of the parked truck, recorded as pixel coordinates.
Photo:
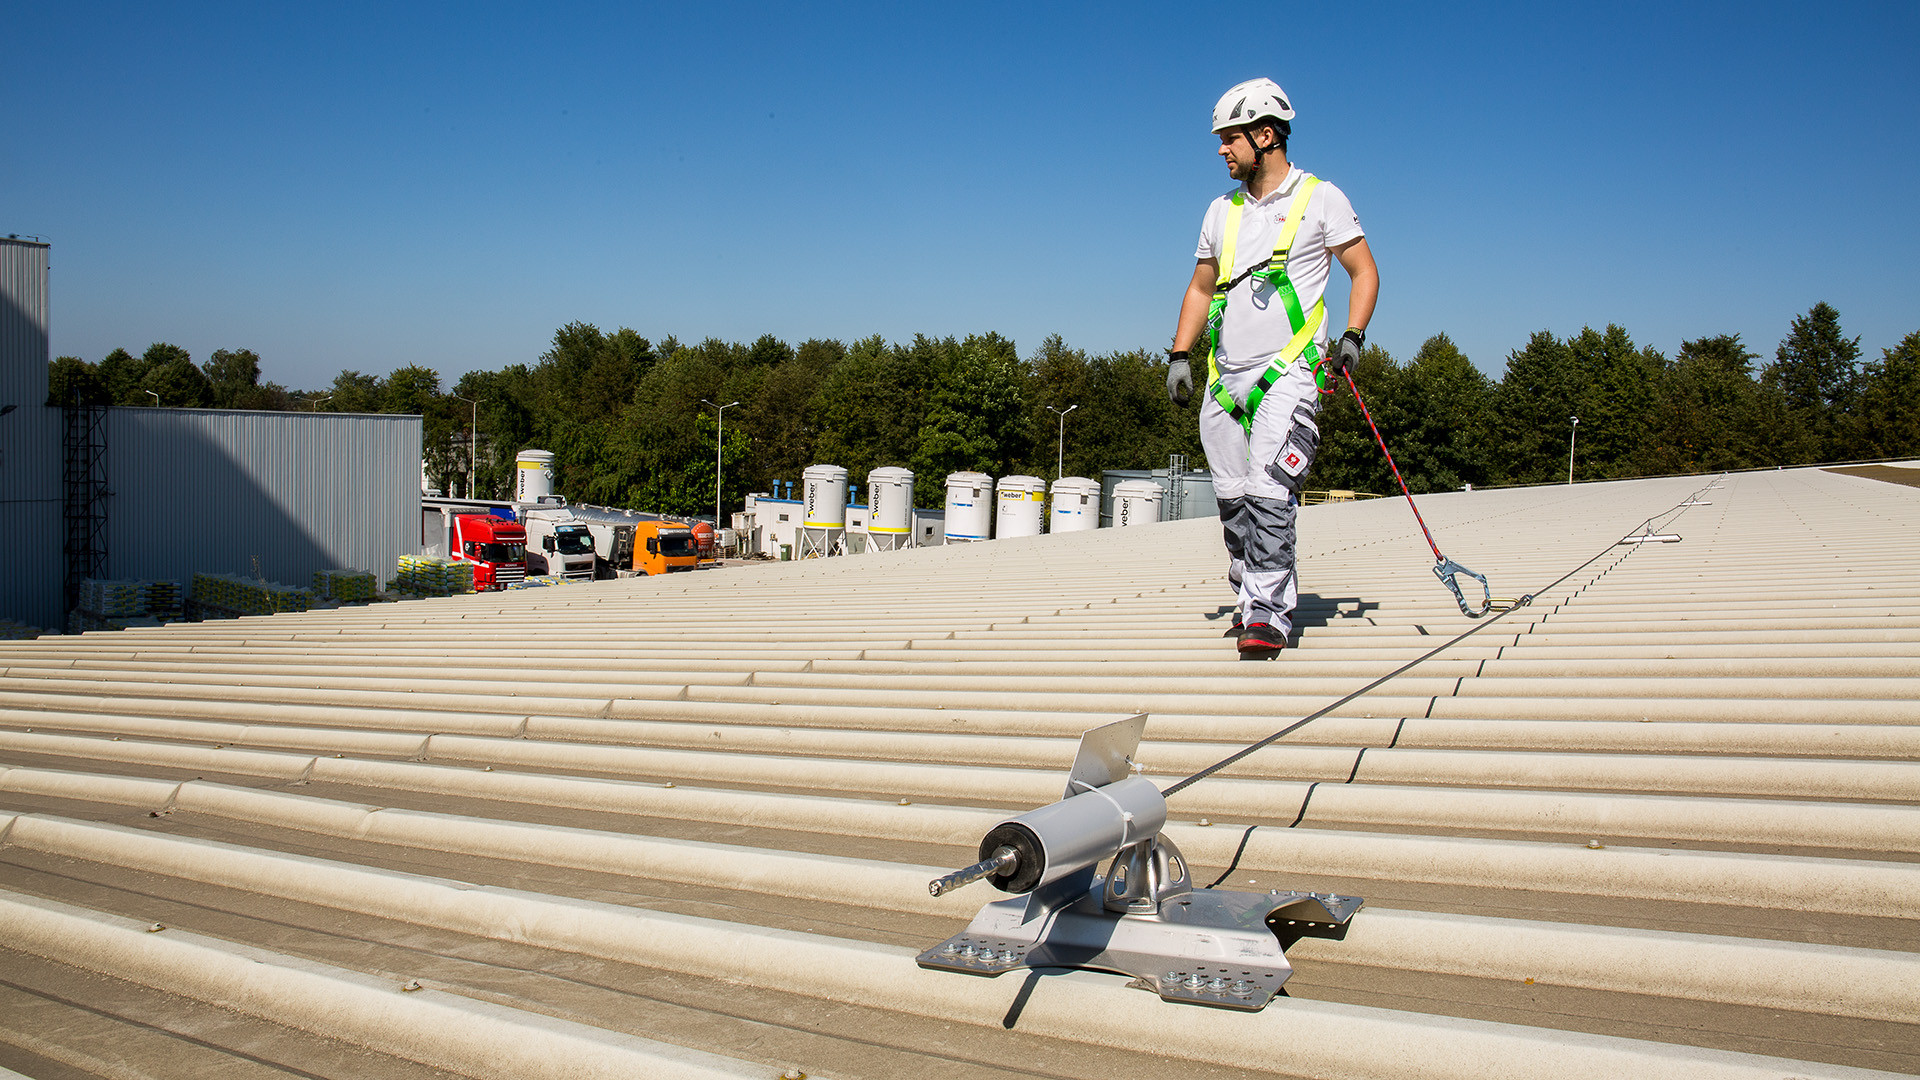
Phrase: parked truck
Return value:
(664, 547)
(496, 547)
(558, 544)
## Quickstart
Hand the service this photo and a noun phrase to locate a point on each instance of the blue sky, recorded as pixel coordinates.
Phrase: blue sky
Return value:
(367, 186)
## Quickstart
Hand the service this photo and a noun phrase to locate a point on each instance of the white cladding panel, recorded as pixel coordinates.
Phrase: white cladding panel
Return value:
(1137, 502)
(824, 494)
(890, 501)
(533, 476)
(1076, 505)
(291, 493)
(969, 507)
(1019, 506)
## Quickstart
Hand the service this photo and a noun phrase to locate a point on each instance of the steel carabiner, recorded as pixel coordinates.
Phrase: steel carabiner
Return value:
(1446, 569)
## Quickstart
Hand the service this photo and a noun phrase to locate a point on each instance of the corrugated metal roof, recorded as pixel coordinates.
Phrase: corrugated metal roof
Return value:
(1661, 822)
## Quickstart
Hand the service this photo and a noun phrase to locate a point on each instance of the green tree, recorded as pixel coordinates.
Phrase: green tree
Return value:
(123, 372)
(1817, 370)
(172, 380)
(778, 419)
(869, 408)
(73, 381)
(234, 378)
(1615, 404)
(1059, 378)
(353, 392)
(1442, 404)
(1889, 418)
(1537, 398)
(1348, 459)
(1707, 409)
(973, 417)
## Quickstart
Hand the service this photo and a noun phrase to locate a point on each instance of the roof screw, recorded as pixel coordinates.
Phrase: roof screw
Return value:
(793, 1074)
(1595, 845)
(488, 769)
(156, 928)
(1204, 823)
(411, 985)
(904, 802)
(668, 784)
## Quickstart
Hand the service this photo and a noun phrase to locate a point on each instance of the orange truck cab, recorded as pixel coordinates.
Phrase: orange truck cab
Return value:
(664, 547)
(496, 547)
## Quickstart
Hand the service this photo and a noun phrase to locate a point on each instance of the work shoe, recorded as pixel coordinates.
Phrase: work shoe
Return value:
(1261, 641)
(1234, 630)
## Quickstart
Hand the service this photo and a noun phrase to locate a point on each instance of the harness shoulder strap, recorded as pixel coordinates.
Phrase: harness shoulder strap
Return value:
(1305, 324)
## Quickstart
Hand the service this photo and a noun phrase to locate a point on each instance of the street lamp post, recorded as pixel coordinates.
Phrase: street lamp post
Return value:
(1573, 436)
(1060, 447)
(473, 441)
(156, 399)
(719, 441)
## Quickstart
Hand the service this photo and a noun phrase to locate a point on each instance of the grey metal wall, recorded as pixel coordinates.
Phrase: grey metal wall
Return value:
(1196, 491)
(218, 491)
(30, 577)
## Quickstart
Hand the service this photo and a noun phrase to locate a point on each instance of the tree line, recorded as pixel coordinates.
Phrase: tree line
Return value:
(633, 423)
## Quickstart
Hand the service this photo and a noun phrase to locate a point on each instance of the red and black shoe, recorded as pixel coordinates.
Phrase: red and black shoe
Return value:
(1234, 630)
(1261, 641)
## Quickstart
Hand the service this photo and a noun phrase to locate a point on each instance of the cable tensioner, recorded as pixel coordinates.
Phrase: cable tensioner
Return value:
(1143, 917)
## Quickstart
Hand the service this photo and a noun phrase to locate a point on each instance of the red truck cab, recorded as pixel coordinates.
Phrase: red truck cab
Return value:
(496, 547)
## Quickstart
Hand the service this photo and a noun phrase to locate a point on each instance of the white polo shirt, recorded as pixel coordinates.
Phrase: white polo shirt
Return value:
(1255, 328)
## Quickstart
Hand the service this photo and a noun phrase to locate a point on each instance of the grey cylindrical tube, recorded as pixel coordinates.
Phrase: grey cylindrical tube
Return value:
(1058, 839)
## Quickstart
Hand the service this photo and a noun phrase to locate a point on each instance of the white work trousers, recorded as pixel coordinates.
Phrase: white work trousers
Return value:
(1257, 479)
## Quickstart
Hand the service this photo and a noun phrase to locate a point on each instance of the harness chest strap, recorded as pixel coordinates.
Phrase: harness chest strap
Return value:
(1306, 325)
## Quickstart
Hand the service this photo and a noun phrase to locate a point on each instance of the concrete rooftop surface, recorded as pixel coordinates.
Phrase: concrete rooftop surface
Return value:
(1661, 822)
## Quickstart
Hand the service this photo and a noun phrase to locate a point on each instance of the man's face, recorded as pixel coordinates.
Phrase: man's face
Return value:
(1237, 148)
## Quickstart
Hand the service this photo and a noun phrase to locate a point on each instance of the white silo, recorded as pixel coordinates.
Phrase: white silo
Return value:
(533, 476)
(1076, 505)
(969, 507)
(890, 508)
(1017, 506)
(1137, 502)
(824, 509)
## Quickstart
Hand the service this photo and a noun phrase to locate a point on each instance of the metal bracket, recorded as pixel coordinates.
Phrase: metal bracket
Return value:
(1204, 947)
(1445, 570)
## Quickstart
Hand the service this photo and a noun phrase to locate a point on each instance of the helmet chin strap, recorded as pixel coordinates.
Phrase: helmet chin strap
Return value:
(1260, 152)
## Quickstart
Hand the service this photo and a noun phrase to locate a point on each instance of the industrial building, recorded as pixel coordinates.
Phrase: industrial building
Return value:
(1659, 821)
(160, 493)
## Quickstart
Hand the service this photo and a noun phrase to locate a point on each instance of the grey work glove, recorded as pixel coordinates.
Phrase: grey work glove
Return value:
(1179, 379)
(1346, 352)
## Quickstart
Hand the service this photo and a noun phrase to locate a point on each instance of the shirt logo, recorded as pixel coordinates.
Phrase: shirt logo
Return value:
(1292, 462)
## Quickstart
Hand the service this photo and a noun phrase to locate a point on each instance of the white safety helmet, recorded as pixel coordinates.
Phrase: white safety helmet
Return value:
(1249, 101)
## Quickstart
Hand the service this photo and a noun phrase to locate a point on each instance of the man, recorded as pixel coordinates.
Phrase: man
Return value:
(1255, 303)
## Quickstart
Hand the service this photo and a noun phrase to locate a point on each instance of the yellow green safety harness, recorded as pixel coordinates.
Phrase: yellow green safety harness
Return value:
(1306, 325)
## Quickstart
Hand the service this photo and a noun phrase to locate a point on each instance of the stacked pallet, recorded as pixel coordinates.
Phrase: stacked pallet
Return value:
(106, 604)
(130, 599)
(345, 586)
(226, 596)
(430, 575)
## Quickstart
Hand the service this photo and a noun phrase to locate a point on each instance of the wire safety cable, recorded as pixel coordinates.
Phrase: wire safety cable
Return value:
(1168, 792)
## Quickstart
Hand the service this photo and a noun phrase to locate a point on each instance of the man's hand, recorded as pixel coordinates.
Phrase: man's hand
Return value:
(1346, 352)
(1179, 379)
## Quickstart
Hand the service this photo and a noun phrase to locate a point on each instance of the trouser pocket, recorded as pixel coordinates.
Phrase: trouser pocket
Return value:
(1289, 467)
